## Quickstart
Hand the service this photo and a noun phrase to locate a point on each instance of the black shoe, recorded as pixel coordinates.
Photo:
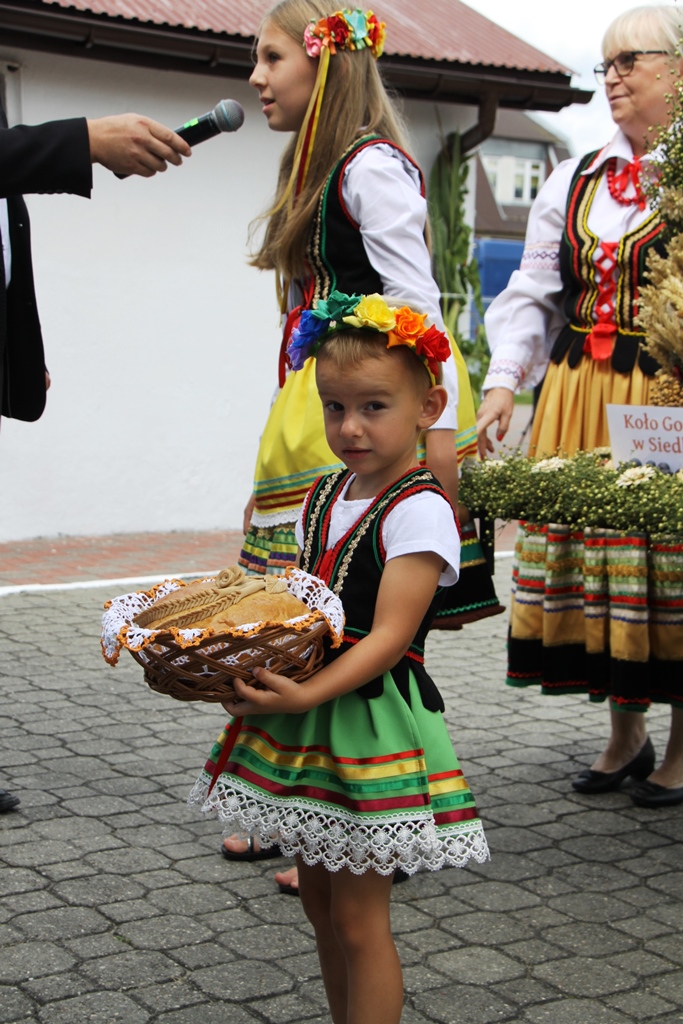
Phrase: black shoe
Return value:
(7, 801)
(640, 767)
(651, 794)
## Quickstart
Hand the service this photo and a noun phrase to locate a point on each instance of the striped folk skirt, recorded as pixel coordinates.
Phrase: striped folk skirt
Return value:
(354, 783)
(598, 613)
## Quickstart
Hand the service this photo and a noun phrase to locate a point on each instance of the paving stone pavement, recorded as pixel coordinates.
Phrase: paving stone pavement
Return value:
(116, 905)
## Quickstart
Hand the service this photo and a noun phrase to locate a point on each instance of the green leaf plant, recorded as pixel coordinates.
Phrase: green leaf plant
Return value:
(455, 270)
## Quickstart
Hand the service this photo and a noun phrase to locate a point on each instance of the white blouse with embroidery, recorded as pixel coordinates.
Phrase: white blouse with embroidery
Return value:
(524, 320)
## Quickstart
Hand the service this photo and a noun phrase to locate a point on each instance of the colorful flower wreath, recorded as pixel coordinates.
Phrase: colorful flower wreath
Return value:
(403, 326)
(345, 30)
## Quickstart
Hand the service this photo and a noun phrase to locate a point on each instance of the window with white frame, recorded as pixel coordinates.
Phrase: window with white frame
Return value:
(529, 176)
(514, 179)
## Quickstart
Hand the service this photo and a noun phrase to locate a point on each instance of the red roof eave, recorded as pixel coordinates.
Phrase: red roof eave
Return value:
(464, 35)
(215, 37)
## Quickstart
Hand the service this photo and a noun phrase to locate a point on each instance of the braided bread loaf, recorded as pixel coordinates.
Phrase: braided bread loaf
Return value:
(231, 599)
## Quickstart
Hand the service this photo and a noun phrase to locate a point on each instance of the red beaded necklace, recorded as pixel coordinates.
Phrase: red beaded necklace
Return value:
(618, 183)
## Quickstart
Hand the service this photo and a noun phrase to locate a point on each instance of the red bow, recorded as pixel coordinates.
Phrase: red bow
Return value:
(631, 174)
(600, 342)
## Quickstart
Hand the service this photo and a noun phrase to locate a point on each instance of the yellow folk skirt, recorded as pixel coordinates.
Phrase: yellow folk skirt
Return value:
(571, 414)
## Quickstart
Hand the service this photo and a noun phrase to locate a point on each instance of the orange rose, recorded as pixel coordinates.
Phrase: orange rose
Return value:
(396, 339)
(322, 31)
(409, 325)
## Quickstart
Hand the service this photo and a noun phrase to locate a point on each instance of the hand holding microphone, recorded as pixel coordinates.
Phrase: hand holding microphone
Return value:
(133, 144)
(226, 116)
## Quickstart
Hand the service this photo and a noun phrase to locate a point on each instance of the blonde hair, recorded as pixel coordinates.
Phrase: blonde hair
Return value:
(351, 347)
(355, 103)
(644, 28)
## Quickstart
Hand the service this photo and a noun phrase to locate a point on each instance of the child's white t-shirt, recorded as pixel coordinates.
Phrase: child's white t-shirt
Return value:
(421, 522)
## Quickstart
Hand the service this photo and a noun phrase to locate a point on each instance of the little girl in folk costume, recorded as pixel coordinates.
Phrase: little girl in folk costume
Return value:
(352, 771)
(349, 214)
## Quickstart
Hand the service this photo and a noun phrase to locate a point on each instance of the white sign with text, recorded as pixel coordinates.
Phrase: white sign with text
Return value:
(650, 433)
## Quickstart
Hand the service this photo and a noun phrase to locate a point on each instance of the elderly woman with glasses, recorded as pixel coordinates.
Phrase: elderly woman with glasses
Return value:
(570, 313)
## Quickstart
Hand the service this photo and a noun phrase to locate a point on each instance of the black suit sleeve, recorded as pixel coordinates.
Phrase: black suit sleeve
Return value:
(52, 157)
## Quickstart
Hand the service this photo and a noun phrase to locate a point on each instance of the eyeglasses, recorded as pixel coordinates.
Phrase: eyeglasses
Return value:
(622, 64)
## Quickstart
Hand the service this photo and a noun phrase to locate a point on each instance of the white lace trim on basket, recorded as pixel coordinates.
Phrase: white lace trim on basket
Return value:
(117, 621)
(338, 840)
(119, 630)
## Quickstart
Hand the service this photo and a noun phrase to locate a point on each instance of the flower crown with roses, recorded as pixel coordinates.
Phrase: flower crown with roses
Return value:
(402, 326)
(343, 30)
(346, 30)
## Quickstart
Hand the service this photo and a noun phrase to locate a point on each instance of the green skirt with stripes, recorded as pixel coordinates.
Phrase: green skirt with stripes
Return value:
(354, 783)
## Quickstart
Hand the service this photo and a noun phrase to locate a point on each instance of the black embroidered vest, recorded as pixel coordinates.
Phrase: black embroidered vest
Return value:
(577, 268)
(336, 255)
(353, 570)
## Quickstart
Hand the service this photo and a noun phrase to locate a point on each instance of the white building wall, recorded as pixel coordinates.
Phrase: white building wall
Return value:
(161, 341)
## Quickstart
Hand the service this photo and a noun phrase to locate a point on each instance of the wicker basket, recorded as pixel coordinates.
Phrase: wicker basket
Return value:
(203, 667)
(197, 673)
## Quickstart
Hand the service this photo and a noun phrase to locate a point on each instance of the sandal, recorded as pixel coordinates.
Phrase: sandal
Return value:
(251, 853)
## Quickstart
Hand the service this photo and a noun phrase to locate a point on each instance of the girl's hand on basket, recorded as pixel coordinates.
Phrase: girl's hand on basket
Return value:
(276, 695)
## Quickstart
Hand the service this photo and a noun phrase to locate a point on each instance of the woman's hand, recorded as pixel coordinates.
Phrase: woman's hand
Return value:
(277, 695)
(496, 407)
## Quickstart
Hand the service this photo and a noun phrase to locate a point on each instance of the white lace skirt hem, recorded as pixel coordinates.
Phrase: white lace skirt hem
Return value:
(324, 835)
(270, 520)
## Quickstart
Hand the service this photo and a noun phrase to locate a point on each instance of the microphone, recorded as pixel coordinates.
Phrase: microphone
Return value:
(226, 116)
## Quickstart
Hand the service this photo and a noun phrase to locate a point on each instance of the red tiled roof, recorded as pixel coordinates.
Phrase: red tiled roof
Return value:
(442, 30)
